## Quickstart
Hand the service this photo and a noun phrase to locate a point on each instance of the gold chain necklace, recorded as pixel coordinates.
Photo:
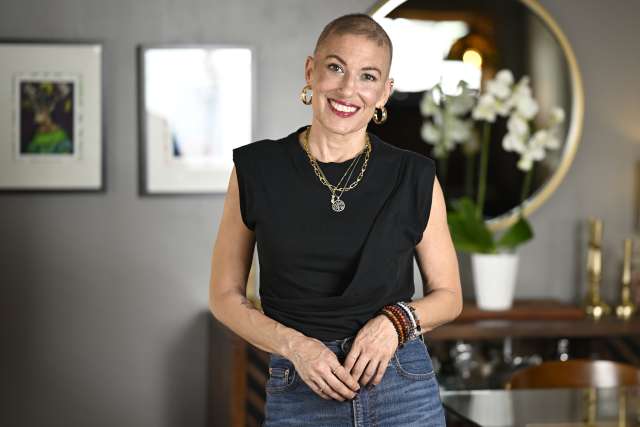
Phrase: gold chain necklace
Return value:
(316, 168)
(336, 203)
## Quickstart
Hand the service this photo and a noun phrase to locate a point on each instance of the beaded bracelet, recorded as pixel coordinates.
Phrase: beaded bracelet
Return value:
(399, 320)
(408, 313)
(406, 322)
(404, 319)
(396, 323)
(414, 317)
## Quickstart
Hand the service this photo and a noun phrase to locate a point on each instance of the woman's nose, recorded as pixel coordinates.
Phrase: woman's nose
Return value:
(348, 84)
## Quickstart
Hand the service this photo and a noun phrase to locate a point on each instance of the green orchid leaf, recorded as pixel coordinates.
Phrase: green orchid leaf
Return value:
(517, 234)
(465, 207)
(469, 233)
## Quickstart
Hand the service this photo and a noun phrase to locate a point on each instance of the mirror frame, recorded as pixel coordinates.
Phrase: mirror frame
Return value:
(574, 134)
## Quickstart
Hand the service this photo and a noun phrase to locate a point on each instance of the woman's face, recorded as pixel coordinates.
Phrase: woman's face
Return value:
(349, 76)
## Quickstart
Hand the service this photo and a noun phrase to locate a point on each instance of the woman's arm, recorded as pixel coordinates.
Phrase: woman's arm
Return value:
(438, 265)
(230, 264)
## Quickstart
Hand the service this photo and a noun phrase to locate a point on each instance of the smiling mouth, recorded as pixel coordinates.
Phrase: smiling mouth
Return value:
(341, 109)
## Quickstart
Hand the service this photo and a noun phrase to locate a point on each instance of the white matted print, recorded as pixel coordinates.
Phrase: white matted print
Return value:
(197, 106)
(50, 116)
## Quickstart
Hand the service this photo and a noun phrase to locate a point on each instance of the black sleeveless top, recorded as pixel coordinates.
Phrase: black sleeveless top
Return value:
(326, 273)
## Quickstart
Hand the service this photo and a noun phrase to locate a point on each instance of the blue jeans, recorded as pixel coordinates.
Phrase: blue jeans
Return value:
(408, 394)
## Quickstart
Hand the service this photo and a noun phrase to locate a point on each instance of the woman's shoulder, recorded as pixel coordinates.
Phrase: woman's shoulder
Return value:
(262, 146)
(263, 149)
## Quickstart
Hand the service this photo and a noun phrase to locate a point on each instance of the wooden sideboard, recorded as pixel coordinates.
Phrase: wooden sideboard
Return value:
(531, 319)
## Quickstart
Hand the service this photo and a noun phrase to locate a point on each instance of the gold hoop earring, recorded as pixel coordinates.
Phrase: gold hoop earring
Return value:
(383, 115)
(303, 95)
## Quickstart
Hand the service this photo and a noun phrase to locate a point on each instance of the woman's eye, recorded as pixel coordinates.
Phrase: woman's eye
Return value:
(335, 67)
(370, 77)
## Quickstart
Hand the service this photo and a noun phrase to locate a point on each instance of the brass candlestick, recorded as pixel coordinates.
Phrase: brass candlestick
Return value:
(595, 307)
(626, 308)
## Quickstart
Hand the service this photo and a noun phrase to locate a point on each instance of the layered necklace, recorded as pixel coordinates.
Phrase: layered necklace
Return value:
(337, 204)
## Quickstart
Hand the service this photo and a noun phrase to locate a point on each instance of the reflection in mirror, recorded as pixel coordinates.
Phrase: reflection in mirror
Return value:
(448, 41)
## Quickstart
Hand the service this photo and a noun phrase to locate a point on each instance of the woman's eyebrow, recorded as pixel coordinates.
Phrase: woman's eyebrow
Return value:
(369, 68)
(372, 69)
(336, 57)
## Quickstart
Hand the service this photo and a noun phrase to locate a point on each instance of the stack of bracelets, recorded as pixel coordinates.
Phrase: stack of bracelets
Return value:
(405, 320)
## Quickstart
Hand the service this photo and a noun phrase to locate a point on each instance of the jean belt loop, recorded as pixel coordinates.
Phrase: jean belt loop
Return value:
(344, 345)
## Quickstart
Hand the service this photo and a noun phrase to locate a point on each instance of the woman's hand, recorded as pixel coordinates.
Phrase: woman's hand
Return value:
(320, 369)
(373, 347)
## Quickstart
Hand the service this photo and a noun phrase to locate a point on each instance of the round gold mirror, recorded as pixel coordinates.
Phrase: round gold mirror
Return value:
(431, 39)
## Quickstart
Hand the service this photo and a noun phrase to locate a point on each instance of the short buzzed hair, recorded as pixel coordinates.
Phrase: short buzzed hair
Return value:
(358, 24)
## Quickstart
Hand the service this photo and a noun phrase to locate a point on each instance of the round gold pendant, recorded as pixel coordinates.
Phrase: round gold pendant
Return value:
(338, 205)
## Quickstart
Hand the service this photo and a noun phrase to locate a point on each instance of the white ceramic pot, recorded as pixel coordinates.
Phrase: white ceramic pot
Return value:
(494, 279)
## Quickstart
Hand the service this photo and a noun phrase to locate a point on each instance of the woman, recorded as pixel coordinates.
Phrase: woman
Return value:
(338, 215)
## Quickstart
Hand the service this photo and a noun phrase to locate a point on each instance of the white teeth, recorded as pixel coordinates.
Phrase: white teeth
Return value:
(342, 108)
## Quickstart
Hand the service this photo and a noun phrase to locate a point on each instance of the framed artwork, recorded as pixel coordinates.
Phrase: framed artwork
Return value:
(196, 106)
(51, 116)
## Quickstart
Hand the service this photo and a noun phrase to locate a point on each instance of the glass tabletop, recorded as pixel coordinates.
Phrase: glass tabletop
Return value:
(547, 407)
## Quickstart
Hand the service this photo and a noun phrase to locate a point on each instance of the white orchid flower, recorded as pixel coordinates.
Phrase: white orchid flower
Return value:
(463, 103)
(439, 151)
(545, 139)
(486, 109)
(505, 76)
(514, 142)
(500, 86)
(428, 105)
(503, 108)
(460, 105)
(527, 107)
(525, 163)
(499, 90)
(557, 116)
(522, 99)
(430, 133)
(438, 118)
(523, 87)
(536, 152)
(518, 125)
(448, 143)
(553, 143)
(459, 130)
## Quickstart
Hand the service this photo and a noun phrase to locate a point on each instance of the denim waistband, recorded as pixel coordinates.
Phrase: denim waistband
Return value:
(344, 344)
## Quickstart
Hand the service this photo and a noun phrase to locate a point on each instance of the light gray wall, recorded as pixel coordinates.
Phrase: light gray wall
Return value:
(600, 183)
(103, 296)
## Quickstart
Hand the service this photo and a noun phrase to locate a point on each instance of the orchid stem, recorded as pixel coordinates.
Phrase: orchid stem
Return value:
(468, 175)
(526, 187)
(484, 162)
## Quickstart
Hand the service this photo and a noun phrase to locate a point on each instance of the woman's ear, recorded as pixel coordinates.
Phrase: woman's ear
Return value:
(308, 69)
(388, 89)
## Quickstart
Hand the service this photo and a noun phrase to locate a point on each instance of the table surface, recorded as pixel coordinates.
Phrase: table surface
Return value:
(546, 407)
